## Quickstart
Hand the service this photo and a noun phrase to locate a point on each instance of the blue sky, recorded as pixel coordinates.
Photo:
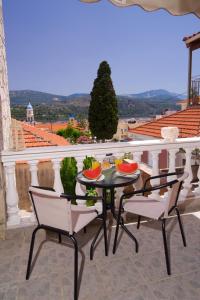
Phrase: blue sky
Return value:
(56, 46)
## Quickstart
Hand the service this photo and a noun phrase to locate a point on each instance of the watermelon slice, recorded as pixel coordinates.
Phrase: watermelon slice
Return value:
(92, 173)
(125, 168)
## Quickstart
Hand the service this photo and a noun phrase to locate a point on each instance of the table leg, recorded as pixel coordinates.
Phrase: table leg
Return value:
(104, 222)
(112, 196)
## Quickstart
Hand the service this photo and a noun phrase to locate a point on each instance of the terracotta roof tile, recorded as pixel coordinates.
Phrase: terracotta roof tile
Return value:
(54, 127)
(188, 122)
(36, 137)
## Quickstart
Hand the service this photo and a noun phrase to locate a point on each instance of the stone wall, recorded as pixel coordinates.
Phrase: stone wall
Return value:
(2, 204)
(5, 119)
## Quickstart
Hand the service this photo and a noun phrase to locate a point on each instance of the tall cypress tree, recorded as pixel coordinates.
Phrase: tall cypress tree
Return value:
(103, 110)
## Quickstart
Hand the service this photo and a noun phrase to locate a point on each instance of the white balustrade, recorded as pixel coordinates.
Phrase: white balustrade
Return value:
(80, 189)
(58, 187)
(34, 172)
(197, 189)
(11, 195)
(187, 183)
(56, 154)
(155, 171)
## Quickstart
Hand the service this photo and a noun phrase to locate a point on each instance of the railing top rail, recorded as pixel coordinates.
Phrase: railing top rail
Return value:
(58, 152)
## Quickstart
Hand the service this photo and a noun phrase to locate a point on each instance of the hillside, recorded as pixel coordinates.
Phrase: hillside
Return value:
(56, 107)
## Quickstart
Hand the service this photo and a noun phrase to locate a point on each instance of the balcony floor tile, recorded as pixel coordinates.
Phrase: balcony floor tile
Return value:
(124, 276)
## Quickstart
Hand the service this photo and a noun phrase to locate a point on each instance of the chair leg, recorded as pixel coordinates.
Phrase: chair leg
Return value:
(138, 222)
(31, 252)
(94, 241)
(166, 248)
(181, 227)
(75, 267)
(59, 238)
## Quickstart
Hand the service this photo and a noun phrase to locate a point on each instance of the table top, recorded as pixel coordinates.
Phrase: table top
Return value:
(109, 179)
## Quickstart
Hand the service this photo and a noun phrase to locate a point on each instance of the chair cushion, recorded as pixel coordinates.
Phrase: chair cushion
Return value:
(143, 206)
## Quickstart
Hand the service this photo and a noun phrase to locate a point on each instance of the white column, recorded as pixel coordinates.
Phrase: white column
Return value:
(12, 199)
(187, 183)
(58, 187)
(172, 161)
(137, 158)
(80, 189)
(155, 172)
(33, 169)
(197, 190)
(171, 167)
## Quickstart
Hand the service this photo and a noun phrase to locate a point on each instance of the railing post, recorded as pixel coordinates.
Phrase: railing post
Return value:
(33, 170)
(171, 166)
(187, 183)
(197, 190)
(155, 171)
(139, 183)
(12, 198)
(58, 187)
(80, 189)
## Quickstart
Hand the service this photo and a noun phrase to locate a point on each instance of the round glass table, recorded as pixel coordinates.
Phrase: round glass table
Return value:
(109, 180)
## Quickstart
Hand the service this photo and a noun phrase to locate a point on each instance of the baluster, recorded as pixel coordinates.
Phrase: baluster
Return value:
(58, 187)
(33, 170)
(187, 183)
(80, 189)
(12, 198)
(139, 183)
(171, 167)
(197, 190)
(155, 172)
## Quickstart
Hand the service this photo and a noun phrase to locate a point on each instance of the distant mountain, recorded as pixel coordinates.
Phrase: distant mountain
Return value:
(156, 94)
(22, 97)
(56, 107)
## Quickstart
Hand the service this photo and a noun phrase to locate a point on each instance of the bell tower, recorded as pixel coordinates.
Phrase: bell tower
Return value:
(29, 114)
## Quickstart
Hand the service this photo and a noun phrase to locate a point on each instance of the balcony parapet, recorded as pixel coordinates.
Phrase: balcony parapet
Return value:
(55, 154)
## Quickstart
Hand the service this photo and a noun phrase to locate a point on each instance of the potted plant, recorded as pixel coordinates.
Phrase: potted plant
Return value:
(68, 173)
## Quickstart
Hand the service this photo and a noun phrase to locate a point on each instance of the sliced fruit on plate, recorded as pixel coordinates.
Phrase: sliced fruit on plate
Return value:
(92, 173)
(127, 168)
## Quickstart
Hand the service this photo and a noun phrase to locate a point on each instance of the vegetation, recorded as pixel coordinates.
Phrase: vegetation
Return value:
(74, 135)
(47, 110)
(70, 133)
(103, 111)
(68, 173)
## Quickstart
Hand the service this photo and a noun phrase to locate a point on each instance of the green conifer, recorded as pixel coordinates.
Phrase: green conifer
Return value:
(103, 110)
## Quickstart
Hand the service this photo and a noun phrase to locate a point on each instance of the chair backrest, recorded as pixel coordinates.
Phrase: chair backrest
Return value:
(51, 209)
(173, 193)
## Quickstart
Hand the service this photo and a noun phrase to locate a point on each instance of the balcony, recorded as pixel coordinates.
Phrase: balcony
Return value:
(16, 187)
(125, 275)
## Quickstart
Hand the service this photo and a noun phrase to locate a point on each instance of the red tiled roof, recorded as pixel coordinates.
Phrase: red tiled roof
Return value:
(54, 127)
(36, 137)
(188, 122)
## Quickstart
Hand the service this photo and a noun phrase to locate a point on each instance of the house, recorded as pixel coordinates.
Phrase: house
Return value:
(188, 123)
(27, 136)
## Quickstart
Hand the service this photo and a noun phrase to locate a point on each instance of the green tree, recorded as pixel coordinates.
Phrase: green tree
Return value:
(103, 110)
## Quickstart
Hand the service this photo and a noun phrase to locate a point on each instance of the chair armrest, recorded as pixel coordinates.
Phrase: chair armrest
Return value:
(70, 197)
(159, 176)
(153, 188)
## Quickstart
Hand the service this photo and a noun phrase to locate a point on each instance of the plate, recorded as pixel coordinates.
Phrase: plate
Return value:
(137, 172)
(92, 180)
